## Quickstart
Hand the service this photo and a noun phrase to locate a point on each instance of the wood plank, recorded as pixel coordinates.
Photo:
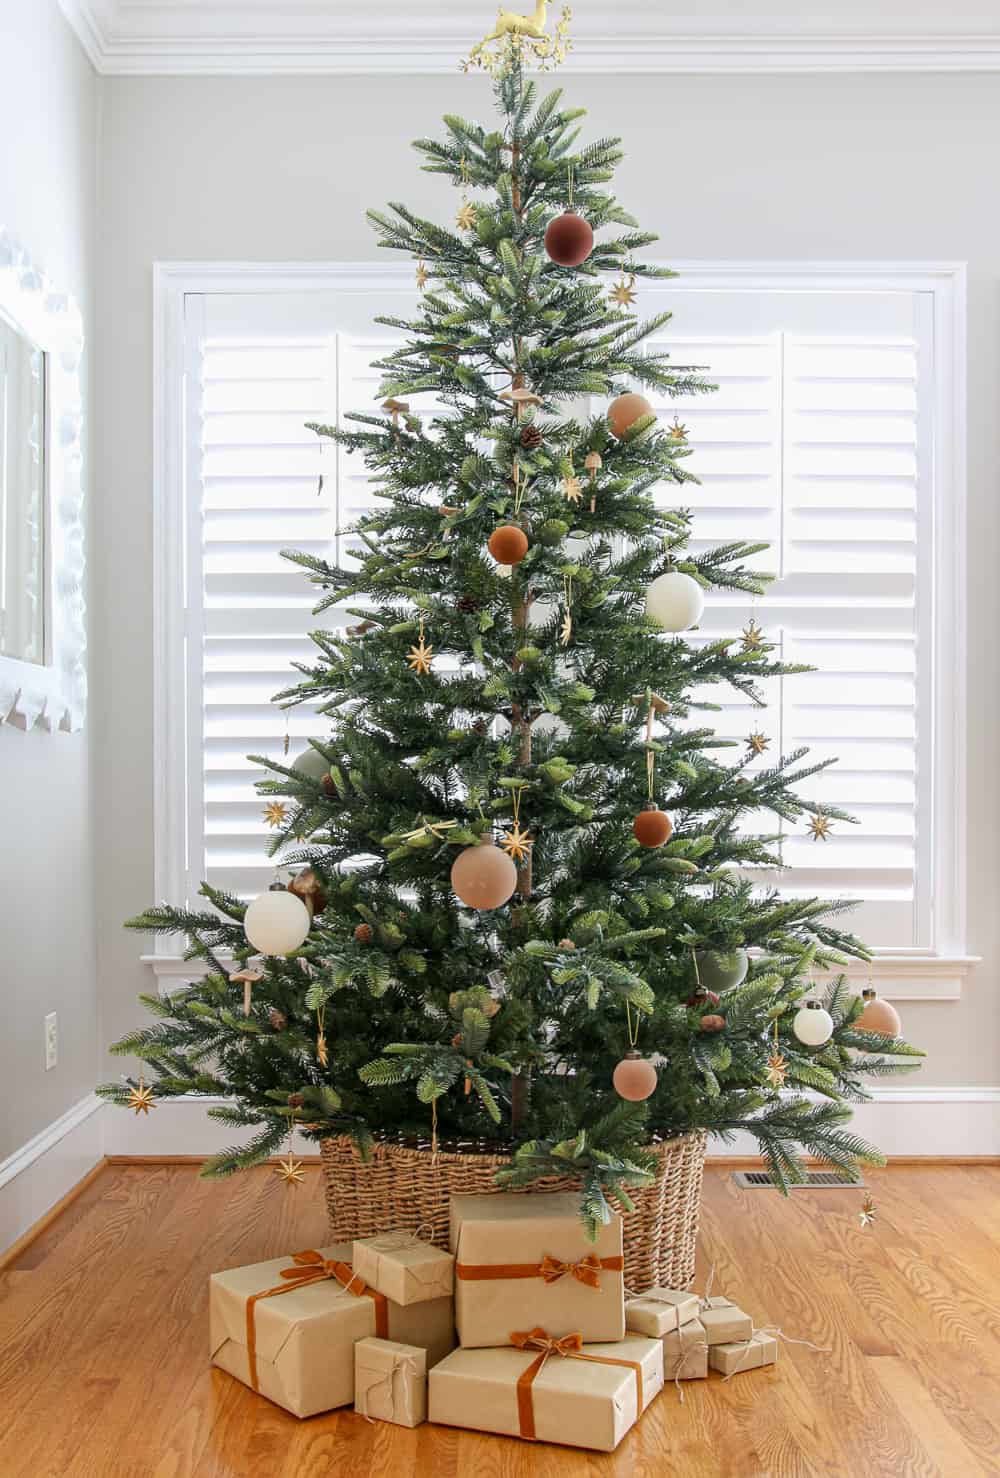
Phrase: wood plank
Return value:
(104, 1373)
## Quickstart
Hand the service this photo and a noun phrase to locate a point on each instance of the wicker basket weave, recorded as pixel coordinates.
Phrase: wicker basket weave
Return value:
(408, 1187)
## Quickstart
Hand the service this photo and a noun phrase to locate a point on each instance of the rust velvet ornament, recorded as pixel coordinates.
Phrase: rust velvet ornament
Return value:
(652, 827)
(626, 410)
(508, 544)
(634, 1078)
(878, 1016)
(713, 1023)
(483, 877)
(569, 239)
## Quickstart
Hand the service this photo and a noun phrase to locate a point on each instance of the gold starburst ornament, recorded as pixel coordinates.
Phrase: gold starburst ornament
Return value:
(819, 827)
(276, 813)
(141, 1098)
(291, 1170)
(572, 488)
(677, 431)
(516, 843)
(466, 218)
(758, 743)
(420, 657)
(777, 1070)
(753, 637)
(623, 292)
(422, 274)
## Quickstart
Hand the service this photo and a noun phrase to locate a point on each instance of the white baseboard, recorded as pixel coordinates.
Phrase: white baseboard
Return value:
(910, 1121)
(41, 1172)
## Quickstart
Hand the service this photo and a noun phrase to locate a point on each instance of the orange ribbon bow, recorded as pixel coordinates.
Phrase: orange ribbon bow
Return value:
(570, 1347)
(588, 1270)
(312, 1267)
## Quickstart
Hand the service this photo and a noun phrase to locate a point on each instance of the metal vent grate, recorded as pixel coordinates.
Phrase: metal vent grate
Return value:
(826, 1180)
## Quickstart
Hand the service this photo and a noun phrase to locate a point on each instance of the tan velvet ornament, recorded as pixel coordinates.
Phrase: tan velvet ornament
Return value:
(652, 827)
(508, 544)
(483, 877)
(879, 1016)
(634, 1078)
(626, 410)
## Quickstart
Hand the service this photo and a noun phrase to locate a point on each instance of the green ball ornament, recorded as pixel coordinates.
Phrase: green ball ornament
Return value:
(553, 532)
(721, 970)
(311, 764)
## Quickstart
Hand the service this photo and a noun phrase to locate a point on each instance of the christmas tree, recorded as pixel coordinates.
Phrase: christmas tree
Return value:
(521, 906)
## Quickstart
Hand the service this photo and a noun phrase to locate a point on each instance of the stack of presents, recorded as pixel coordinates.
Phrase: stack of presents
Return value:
(548, 1346)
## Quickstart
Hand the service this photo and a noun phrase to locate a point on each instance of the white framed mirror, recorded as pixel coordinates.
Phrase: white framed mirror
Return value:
(43, 676)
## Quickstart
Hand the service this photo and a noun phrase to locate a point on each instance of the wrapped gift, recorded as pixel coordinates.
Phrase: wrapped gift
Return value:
(685, 1352)
(522, 1260)
(748, 1354)
(659, 1311)
(287, 1328)
(724, 1322)
(390, 1382)
(549, 1390)
(403, 1268)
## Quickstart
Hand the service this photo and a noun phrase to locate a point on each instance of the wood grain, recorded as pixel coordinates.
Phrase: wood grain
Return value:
(104, 1366)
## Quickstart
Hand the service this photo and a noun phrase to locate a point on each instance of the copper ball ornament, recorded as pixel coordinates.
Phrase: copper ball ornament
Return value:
(569, 239)
(626, 410)
(483, 877)
(878, 1016)
(508, 544)
(713, 1023)
(634, 1078)
(652, 827)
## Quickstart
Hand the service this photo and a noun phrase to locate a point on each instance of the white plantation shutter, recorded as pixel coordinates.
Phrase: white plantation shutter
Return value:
(816, 442)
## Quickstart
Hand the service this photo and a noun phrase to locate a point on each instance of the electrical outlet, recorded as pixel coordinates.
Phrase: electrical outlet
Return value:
(51, 1041)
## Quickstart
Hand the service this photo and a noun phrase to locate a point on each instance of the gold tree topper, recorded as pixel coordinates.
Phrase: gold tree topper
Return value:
(517, 38)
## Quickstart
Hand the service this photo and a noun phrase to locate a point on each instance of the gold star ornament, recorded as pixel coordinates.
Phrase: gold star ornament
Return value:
(290, 1170)
(753, 637)
(466, 218)
(566, 629)
(777, 1069)
(572, 489)
(275, 814)
(623, 292)
(516, 843)
(677, 431)
(141, 1099)
(422, 274)
(758, 743)
(868, 1213)
(420, 657)
(819, 827)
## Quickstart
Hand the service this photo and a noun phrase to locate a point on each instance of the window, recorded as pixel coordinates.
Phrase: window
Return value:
(832, 437)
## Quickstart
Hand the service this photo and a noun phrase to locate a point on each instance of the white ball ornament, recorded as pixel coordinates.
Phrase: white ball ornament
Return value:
(276, 923)
(812, 1025)
(675, 601)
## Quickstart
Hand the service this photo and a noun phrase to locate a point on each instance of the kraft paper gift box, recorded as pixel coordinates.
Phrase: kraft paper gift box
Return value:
(287, 1328)
(405, 1269)
(660, 1310)
(578, 1395)
(685, 1352)
(525, 1260)
(749, 1354)
(724, 1322)
(390, 1382)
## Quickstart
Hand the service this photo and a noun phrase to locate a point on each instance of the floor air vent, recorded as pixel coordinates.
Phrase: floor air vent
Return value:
(754, 1180)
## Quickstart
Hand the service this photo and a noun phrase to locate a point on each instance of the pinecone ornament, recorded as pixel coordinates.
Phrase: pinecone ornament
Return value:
(363, 933)
(531, 438)
(467, 605)
(278, 1019)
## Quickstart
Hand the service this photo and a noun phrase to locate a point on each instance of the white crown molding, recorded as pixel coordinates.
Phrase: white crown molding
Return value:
(264, 40)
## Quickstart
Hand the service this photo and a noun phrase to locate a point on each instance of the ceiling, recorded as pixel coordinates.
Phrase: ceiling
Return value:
(258, 37)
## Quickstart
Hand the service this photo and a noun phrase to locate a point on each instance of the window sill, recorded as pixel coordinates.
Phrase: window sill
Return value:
(897, 977)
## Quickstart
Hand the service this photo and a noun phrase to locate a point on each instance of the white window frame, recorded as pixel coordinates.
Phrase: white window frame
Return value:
(931, 974)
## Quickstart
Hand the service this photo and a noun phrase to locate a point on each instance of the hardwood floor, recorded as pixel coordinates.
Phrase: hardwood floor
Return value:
(104, 1373)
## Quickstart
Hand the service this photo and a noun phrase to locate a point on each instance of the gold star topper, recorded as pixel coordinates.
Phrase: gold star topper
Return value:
(819, 826)
(753, 636)
(516, 843)
(868, 1213)
(422, 274)
(275, 814)
(777, 1069)
(516, 38)
(290, 1170)
(466, 218)
(141, 1099)
(420, 657)
(758, 743)
(572, 488)
(677, 431)
(623, 292)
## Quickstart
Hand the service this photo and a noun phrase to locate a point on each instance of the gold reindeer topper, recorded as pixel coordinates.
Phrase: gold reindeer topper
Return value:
(517, 38)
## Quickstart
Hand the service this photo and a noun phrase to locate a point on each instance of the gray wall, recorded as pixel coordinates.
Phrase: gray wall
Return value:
(48, 191)
(894, 167)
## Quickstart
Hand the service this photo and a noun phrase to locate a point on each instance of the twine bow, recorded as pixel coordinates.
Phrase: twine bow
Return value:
(402, 1365)
(569, 1347)
(312, 1267)
(587, 1270)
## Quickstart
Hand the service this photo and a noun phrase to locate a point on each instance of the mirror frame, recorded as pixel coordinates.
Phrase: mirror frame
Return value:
(52, 694)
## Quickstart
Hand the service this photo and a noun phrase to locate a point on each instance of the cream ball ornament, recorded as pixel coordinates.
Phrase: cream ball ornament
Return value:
(813, 1025)
(634, 1078)
(277, 922)
(483, 876)
(311, 764)
(721, 969)
(675, 601)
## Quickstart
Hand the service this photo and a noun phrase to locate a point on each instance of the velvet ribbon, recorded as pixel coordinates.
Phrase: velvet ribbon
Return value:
(587, 1271)
(569, 1347)
(312, 1267)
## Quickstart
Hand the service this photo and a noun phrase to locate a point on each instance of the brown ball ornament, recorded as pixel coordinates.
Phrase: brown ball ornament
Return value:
(626, 410)
(363, 933)
(713, 1023)
(483, 877)
(508, 544)
(634, 1078)
(701, 999)
(569, 239)
(652, 827)
(878, 1016)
